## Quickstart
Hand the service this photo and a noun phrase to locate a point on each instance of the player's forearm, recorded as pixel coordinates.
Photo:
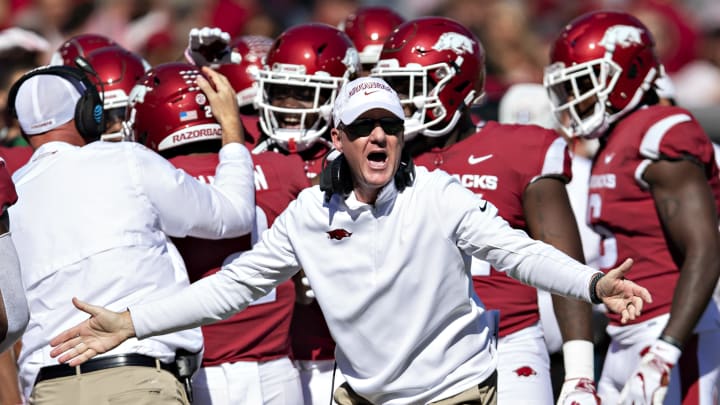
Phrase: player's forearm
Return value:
(574, 318)
(9, 389)
(693, 292)
(550, 219)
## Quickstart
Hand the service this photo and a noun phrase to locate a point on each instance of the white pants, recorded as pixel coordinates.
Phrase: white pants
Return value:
(524, 368)
(698, 369)
(272, 382)
(316, 378)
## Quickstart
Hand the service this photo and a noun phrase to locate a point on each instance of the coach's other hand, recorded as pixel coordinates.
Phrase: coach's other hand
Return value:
(103, 331)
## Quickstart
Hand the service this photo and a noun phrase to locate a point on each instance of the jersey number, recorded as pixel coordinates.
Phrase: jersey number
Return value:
(608, 243)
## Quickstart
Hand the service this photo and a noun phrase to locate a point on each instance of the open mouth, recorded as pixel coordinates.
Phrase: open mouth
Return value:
(289, 121)
(377, 160)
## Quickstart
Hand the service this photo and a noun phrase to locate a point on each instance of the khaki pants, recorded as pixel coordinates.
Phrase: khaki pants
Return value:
(119, 385)
(484, 393)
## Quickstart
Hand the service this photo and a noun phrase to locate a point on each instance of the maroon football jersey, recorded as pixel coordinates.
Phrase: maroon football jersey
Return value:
(251, 127)
(622, 209)
(314, 158)
(8, 196)
(310, 335)
(261, 331)
(498, 163)
(15, 157)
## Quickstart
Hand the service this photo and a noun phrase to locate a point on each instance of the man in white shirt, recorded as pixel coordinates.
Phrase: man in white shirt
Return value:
(13, 306)
(93, 220)
(387, 250)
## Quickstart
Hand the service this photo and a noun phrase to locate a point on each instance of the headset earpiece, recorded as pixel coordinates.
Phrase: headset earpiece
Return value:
(336, 178)
(89, 114)
(405, 175)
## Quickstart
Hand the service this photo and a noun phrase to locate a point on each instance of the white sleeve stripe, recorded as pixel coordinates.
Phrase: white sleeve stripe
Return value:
(650, 145)
(639, 171)
(555, 158)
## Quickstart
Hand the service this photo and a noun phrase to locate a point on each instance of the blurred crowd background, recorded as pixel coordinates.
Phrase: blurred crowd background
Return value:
(515, 33)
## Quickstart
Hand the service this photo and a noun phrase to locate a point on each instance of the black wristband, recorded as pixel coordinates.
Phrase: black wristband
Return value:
(593, 288)
(671, 340)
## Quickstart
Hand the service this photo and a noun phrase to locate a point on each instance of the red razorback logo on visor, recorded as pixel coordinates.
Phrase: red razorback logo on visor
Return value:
(338, 234)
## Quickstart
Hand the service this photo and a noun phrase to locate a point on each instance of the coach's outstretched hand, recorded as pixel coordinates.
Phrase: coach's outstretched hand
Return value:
(620, 295)
(103, 331)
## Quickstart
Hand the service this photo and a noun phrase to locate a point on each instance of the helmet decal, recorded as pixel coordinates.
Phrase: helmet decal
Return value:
(622, 35)
(352, 60)
(455, 42)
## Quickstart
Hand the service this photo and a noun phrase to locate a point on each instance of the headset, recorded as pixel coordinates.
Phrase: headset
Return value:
(89, 114)
(336, 177)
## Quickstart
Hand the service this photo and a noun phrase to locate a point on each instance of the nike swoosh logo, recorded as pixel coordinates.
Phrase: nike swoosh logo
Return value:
(367, 93)
(609, 158)
(475, 160)
(483, 206)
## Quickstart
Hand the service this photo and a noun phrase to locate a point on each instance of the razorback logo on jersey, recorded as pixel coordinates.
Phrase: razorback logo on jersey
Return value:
(525, 371)
(338, 234)
(621, 35)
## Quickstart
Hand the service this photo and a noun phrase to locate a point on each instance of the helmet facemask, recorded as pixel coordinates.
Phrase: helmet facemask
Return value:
(419, 88)
(570, 90)
(296, 128)
(114, 116)
(604, 63)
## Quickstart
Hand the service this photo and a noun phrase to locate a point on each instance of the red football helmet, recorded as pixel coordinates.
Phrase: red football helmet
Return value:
(167, 109)
(116, 72)
(368, 28)
(243, 76)
(79, 45)
(438, 68)
(605, 57)
(312, 61)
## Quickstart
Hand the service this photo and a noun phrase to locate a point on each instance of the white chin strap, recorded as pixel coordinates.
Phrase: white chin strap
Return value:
(453, 121)
(118, 136)
(444, 130)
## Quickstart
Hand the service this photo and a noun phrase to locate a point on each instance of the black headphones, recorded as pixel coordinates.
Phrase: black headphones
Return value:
(89, 116)
(337, 178)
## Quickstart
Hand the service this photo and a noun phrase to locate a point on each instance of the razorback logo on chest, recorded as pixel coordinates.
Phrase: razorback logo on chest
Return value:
(338, 234)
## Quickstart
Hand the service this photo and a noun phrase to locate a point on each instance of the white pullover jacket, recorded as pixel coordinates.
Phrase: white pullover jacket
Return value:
(393, 281)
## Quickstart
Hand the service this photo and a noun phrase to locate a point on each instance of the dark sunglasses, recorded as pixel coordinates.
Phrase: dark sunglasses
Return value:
(363, 127)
